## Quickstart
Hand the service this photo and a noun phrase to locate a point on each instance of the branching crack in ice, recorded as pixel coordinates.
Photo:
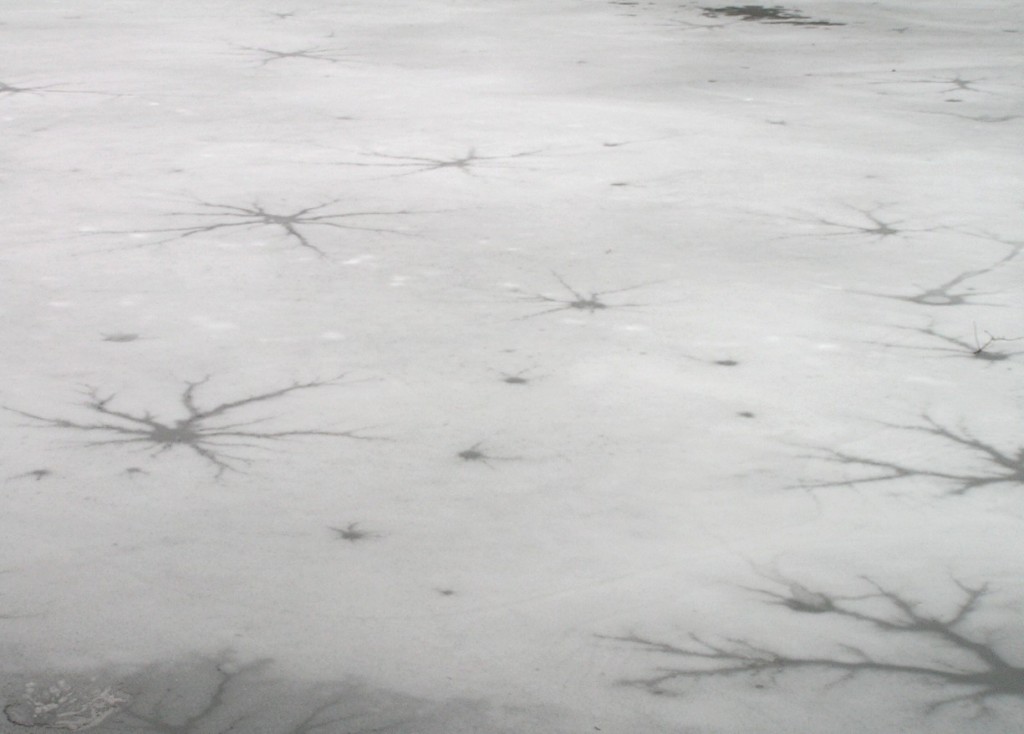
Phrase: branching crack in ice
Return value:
(230, 216)
(580, 301)
(200, 431)
(971, 669)
(1003, 466)
(467, 163)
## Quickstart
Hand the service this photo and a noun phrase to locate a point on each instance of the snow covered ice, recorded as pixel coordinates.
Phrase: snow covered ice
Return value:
(435, 366)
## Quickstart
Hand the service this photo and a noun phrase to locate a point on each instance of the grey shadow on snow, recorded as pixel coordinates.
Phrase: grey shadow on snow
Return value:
(217, 433)
(943, 652)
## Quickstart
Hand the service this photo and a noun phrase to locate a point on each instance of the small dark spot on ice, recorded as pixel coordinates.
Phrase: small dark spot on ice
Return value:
(745, 414)
(726, 362)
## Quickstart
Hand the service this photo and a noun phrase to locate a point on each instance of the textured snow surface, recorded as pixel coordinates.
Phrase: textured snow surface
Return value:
(562, 366)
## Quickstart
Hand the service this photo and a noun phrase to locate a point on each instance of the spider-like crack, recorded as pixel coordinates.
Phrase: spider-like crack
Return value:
(1001, 466)
(580, 301)
(955, 84)
(875, 226)
(978, 350)
(209, 433)
(952, 292)
(311, 53)
(232, 217)
(467, 163)
(971, 671)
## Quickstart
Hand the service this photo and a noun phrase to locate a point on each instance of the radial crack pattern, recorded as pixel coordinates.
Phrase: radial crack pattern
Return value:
(232, 217)
(466, 164)
(210, 433)
(580, 301)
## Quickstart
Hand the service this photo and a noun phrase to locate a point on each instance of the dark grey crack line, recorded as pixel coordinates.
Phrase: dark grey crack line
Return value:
(311, 53)
(1002, 466)
(951, 292)
(580, 301)
(980, 671)
(200, 431)
(465, 164)
(255, 216)
(976, 350)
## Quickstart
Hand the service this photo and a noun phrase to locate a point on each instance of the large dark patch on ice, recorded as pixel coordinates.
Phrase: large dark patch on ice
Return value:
(765, 14)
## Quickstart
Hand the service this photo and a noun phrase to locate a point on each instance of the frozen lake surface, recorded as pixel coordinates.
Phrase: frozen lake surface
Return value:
(493, 366)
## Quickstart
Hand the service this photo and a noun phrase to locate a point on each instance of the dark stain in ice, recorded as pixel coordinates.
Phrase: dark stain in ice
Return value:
(120, 337)
(716, 362)
(36, 474)
(516, 378)
(353, 533)
(775, 14)
(475, 454)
